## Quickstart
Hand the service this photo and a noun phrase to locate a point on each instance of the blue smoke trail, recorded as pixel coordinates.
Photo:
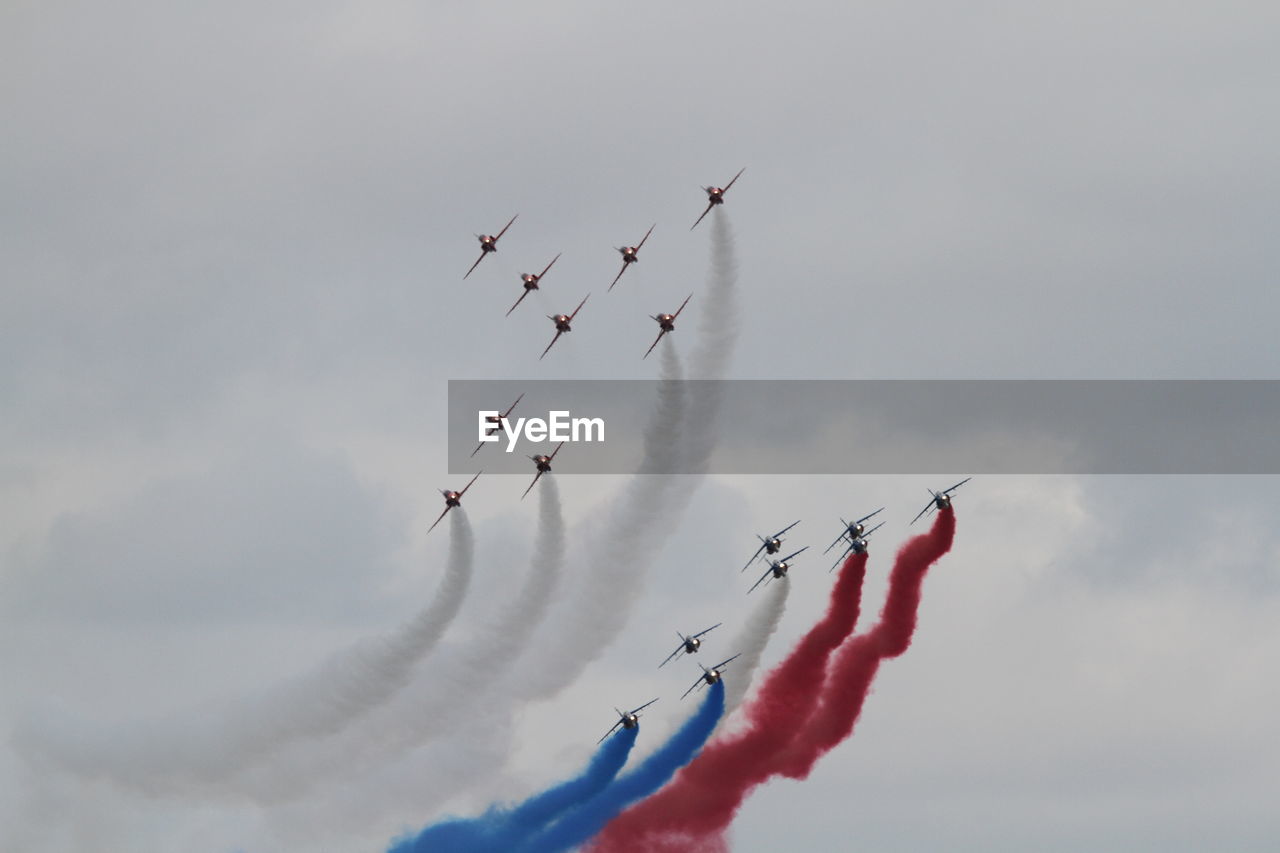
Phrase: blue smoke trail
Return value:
(501, 828)
(582, 823)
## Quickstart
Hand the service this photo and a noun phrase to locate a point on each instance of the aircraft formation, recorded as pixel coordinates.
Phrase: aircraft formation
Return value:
(853, 536)
(852, 540)
(630, 255)
(564, 324)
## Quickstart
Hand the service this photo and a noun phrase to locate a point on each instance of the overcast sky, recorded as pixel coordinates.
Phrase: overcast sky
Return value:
(232, 241)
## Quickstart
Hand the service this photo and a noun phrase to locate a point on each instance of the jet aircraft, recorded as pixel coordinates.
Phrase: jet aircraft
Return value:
(715, 195)
(688, 645)
(562, 322)
(941, 500)
(777, 568)
(496, 420)
(531, 282)
(452, 499)
(667, 323)
(770, 546)
(853, 530)
(710, 676)
(489, 243)
(856, 545)
(543, 464)
(627, 719)
(629, 254)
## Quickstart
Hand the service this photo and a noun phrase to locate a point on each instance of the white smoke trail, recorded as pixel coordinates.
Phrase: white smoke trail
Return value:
(718, 326)
(201, 749)
(458, 690)
(619, 552)
(451, 692)
(752, 641)
(616, 553)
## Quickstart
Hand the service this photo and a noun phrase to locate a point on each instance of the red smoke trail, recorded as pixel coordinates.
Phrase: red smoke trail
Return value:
(794, 720)
(705, 795)
(851, 673)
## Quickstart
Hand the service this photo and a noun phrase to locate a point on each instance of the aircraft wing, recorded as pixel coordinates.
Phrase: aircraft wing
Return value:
(468, 485)
(437, 521)
(513, 219)
(531, 485)
(709, 630)
(671, 656)
(794, 553)
(548, 266)
(512, 407)
(645, 237)
(838, 538)
(619, 275)
(645, 705)
(654, 344)
(723, 662)
(695, 685)
(735, 177)
(612, 729)
(550, 345)
(476, 264)
(681, 308)
(924, 511)
(754, 557)
(785, 529)
(766, 574)
(579, 308)
(865, 517)
(957, 485)
(518, 301)
(710, 205)
(841, 559)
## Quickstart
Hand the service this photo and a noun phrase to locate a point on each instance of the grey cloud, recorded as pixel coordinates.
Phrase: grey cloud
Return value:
(274, 534)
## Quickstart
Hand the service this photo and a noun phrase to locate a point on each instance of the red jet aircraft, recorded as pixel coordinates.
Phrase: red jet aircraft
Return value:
(715, 195)
(531, 283)
(489, 243)
(452, 499)
(629, 254)
(562, 325)
(496, 420)
(667, 323)
(543, 464)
